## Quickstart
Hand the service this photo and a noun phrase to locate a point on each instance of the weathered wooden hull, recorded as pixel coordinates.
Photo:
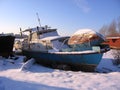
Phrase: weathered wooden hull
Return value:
(113, 42)
(83, 61)
(6, 45)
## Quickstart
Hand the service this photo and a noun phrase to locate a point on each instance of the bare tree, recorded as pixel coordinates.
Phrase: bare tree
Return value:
(118, 25)
(103, 30)
(112, 29)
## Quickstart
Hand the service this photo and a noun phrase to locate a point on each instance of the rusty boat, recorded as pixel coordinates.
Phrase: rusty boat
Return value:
(82, 50)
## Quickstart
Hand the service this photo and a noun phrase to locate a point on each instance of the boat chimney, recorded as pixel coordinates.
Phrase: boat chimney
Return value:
(37, 28)
(46, 27)
(21, 32)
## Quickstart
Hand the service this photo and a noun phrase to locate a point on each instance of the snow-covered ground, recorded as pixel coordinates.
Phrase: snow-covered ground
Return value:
(13, 76)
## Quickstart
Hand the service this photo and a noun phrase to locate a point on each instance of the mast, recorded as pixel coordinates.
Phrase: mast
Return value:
(38, 19)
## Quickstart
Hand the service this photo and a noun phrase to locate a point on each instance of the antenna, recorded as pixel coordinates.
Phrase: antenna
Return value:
(38, 19)
(21, 32)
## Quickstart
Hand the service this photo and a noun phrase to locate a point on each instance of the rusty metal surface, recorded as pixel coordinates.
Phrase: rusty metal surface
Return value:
(83, 38)
(113, 42)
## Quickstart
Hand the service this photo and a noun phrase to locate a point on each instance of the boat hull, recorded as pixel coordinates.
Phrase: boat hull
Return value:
(6, 45)
(113, 42)
(83, 61)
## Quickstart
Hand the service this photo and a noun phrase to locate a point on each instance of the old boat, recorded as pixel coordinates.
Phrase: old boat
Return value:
(113, 42)
(48, 48)
(6, 45)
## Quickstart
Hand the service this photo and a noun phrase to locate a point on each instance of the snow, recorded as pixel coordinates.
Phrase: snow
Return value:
(37, 77)
(89, 31)
(81, 31)
(28, 64)
(79, 52)
(117, 37)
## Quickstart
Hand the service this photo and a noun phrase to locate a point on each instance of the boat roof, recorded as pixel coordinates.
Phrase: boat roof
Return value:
(52, 38)
(40, 30)
(112, 37)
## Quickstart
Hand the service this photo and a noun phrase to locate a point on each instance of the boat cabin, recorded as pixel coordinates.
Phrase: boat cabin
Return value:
(45, 40)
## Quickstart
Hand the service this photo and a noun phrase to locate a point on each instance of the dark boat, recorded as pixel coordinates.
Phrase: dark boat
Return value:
(47, 47)
(6, 45)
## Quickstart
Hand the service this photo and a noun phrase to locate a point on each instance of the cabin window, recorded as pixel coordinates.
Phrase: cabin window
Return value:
(47, 44)
(114, 40)
(64, 40)
(59, 44)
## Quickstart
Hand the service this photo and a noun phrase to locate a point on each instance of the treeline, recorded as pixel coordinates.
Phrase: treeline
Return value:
(112, 30)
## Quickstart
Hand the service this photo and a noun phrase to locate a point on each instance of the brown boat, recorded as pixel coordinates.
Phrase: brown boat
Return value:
(114, 42)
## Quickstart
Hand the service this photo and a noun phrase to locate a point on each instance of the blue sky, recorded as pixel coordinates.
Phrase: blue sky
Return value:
(66, 15)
